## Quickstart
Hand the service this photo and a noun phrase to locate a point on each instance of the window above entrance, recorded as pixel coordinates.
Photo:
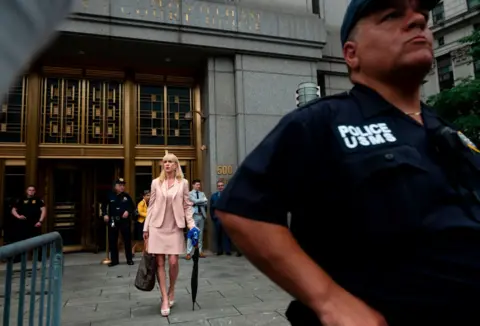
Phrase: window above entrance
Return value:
(104, 105)
(12, 124)
(161, 115)
(78, 111)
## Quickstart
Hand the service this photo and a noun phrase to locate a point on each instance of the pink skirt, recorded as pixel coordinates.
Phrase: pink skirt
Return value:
(166, 242)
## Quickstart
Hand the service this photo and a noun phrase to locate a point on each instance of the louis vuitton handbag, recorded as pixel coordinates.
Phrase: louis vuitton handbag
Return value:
(146, 274)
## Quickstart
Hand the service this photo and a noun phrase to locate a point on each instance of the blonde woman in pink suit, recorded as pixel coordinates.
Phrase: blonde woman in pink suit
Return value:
(169, 211)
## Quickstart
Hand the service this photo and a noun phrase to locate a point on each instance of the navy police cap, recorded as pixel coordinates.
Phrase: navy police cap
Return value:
(120, 181)
(357, 9)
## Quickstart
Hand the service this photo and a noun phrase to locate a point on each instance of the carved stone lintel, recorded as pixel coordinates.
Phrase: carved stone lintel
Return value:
(461, 55)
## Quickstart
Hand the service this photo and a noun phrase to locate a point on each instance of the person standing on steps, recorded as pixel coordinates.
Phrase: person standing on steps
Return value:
(117, 213)
(223, 240)
(141, 216)
(169, 212)
(200, 203)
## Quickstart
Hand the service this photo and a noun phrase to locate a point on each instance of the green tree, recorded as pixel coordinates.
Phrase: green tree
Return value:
(461, 104)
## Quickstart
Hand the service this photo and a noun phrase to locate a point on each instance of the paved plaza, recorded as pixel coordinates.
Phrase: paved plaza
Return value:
(231, 292)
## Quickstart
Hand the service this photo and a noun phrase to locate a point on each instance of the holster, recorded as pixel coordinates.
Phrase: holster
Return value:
(114, 221)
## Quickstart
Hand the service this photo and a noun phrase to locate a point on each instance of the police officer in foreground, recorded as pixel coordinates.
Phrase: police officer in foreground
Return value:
(118, 210)
(383, 194)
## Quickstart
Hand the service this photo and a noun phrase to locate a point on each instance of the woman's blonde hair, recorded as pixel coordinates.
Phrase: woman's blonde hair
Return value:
(178, 171)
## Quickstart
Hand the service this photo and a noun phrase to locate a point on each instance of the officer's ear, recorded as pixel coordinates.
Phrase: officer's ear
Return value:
(350, 55)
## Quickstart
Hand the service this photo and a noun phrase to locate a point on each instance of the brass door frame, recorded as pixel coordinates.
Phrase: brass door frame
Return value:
(187, 172)
(144, 163)
(94, 214)
(86, 210)
(97, 222)
(156, 169)
(9, 162)
(6, 219)
(81, 221)
(88, 206)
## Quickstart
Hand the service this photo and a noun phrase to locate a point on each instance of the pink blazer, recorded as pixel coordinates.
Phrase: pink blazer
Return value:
(182, 206)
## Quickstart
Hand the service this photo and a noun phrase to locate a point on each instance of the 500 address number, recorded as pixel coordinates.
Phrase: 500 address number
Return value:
(224, 170)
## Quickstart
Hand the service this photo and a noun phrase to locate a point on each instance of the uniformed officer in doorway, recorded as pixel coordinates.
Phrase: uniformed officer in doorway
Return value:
(30, 213)
(117, 213)
(383, 194)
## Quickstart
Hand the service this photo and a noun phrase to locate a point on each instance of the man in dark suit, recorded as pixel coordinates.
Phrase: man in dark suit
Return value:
(223, 240)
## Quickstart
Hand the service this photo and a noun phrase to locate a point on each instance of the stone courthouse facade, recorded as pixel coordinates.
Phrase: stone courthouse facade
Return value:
(128, 80)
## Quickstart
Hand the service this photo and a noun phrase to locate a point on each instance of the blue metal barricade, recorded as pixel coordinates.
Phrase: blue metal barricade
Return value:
(51, 291)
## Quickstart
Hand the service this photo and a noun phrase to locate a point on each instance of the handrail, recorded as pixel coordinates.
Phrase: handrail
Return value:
(53, 243)
(17, 248)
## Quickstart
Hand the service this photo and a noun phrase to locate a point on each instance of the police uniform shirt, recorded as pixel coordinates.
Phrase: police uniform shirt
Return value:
(119, 204)
(30, 208)
(370, 202)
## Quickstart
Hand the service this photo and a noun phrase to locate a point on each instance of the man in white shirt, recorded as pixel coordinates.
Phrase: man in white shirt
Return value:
(200, 202)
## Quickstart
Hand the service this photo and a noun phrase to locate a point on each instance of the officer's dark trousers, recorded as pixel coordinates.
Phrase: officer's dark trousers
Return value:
(24, 230)
(223, 240)
(123, 227)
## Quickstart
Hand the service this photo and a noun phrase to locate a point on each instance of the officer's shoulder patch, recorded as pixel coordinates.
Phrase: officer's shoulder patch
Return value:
(467, 142)
(25, 201)
(363, 135)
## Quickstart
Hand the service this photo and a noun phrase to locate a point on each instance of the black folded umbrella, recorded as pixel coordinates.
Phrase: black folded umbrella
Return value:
(194, 280)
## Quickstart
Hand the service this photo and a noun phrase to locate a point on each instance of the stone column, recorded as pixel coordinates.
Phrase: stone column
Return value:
(220, 127)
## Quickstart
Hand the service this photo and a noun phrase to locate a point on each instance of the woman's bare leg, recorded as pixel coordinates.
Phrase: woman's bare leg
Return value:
(173, 273)
(162, 279)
